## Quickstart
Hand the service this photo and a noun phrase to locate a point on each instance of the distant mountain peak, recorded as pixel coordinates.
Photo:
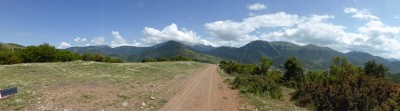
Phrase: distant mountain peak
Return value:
(359, 53)
(312, 56)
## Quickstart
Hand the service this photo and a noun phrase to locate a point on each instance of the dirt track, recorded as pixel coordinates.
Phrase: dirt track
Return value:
(205, 91)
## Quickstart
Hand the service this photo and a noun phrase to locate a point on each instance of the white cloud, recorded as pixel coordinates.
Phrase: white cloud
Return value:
(228, 31)
(118, 40)
(374, 37)
(171, 32)
(311, 30)
(78, 39)
(364, 14)
(98, 40)
(64, 45)
(380, 39)
(256, 6)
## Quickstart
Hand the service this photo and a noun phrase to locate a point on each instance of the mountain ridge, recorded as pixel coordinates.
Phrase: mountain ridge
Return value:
(312, 56)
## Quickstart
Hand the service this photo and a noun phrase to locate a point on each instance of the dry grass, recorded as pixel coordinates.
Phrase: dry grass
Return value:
(93, 85)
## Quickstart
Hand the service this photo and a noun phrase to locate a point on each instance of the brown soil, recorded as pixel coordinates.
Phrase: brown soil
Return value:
(205, 91)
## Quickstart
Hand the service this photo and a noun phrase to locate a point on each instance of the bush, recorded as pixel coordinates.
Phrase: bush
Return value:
(47, 53)
(162, 59)
(259, 80)
(88, 57)
(347, 87)
(149, 60)
(41, 53)
(116, 60)
(259, 85)
(64, 56)
(8, 57)
(181, 58)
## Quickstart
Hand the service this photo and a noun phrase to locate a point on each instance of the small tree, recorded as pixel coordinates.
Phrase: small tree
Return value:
(374, 69)
(265, 65)
(294, 72)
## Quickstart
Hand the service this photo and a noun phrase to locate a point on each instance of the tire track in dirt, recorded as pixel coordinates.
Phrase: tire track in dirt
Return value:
(204, 91)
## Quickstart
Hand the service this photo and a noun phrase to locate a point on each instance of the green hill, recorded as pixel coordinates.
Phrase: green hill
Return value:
(311, 56)
(172, 48)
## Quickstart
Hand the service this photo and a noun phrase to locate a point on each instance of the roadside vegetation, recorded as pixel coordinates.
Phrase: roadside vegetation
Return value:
(46, 53)
(343, 87)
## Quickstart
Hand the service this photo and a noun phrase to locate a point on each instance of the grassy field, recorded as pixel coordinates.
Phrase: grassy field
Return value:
(93, 86)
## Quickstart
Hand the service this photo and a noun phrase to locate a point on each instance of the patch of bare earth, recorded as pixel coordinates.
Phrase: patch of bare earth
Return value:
(100, 96)
(205, 91)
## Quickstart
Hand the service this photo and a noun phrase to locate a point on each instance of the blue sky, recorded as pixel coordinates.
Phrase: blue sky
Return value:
(345, 25)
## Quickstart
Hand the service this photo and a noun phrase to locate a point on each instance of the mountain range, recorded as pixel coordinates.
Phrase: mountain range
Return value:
(311, 56)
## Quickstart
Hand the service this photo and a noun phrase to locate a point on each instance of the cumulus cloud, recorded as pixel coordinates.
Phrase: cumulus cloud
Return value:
(64, 45)
(78, 39)
(118, 40)
(98, 40)
(311, 30)
(373, 37)
(256, 6)
(380, 38)
(360, 14)
(154, 36)
(229, 31)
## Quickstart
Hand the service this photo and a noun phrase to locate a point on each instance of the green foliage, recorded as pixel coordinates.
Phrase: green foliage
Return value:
(250, 78)
(162, 59)
(148, 60)
(315, 76)
(265, 65)
(275, 75)
(181, 58)
(41, 53)
(346, 87)
(64, 56)
(8, 57)
(47, 53)
(259, 85)
(294, 72)
(101, 58)
(374, 69)
(88, 57)
(395, 77)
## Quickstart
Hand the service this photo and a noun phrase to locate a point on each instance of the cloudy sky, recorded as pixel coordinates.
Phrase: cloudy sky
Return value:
(371, 26)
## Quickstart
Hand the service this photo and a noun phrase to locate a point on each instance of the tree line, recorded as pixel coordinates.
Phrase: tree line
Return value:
(48, 53)
(343, 87)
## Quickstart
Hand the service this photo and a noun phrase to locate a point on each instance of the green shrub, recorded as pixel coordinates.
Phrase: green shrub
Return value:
(259, 85)
(347, 87)
(250, 78)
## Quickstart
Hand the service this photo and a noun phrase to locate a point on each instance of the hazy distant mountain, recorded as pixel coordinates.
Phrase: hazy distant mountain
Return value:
(311, 56)
(10, 46)
(132, 53)
(201, 47)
